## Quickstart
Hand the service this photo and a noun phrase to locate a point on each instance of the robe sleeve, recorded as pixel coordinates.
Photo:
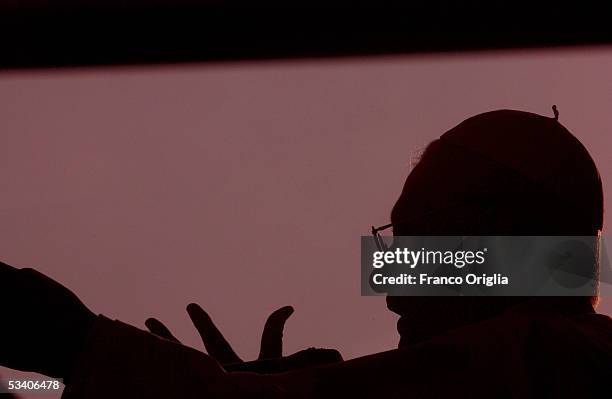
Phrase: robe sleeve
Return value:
(122, 361)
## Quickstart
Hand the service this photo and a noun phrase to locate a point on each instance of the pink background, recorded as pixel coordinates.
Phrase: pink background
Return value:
(246, 186)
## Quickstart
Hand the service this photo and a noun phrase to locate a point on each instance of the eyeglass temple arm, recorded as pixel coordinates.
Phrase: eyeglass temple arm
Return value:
(375, 230)
(378, 239)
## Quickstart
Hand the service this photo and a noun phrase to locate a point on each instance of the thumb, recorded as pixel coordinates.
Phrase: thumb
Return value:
(272, 336)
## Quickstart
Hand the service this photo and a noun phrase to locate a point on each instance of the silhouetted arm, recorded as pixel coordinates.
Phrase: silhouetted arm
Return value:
(122, 361)
(44, 324)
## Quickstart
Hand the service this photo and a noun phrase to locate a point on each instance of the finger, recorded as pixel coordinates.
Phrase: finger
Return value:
(158, 328)
(215, 343)
(272, 336)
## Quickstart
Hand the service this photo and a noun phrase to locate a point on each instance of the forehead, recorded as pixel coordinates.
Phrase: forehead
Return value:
(443, 177)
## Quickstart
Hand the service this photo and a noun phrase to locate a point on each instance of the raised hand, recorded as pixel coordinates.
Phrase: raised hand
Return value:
(215, 343)
(270, 359)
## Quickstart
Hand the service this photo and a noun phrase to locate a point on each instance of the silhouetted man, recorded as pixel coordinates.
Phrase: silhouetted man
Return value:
(498, 173)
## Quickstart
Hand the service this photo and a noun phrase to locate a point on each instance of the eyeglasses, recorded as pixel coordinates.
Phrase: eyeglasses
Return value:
(378, 238)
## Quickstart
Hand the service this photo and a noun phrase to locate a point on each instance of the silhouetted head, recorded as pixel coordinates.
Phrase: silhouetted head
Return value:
(498, 173)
